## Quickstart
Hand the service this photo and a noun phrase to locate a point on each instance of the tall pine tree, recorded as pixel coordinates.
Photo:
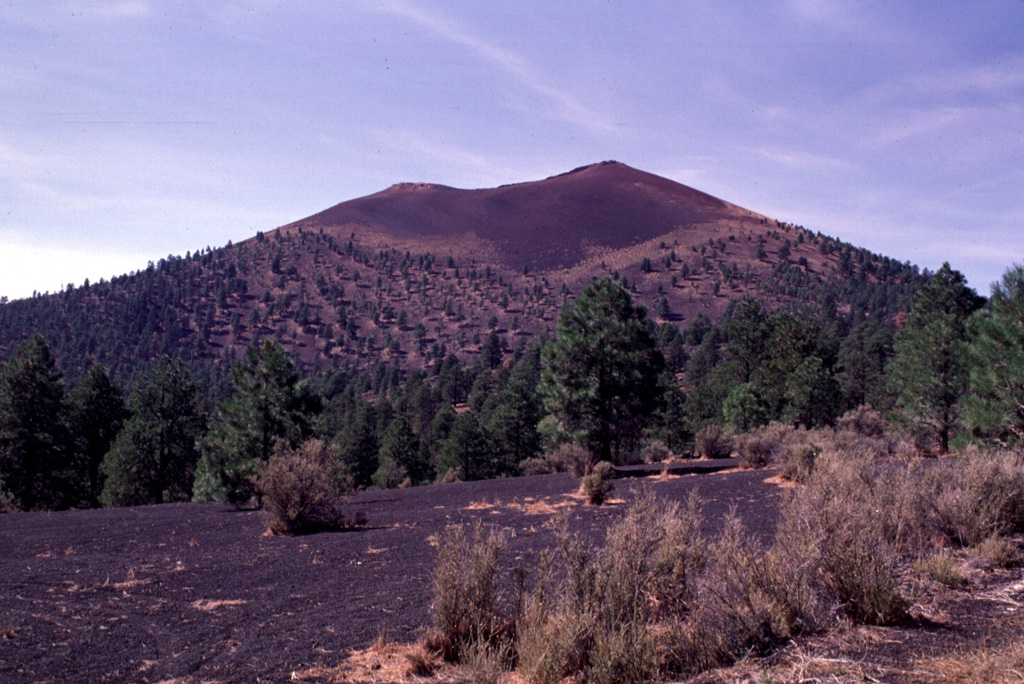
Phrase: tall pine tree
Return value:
(270, 402)
(600, 380)
(154, 456)
(34, 439)
(930, 372)
(995, 408)
(97, 413)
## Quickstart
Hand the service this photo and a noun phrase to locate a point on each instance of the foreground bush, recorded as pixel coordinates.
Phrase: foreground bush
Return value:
(466, 606)
(658, 600)
(304, 490)
(974, 497)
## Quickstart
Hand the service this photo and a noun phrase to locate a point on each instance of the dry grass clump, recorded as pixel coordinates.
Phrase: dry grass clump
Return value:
(597, 484)
(944, 568)
(998, 552)
(712, 442)
(988, 666)
(595, 614)
(304, 490)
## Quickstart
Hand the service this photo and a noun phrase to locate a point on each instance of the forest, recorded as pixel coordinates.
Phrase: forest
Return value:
(610, 381)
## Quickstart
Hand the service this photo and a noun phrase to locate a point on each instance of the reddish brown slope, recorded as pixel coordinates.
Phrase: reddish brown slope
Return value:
(544, 224)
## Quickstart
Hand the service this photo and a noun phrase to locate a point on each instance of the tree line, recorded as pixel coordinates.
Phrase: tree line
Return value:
(610, 380)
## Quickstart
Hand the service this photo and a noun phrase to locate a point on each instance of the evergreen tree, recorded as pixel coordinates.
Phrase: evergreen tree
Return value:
(34, 439)
(270, 402)
(399, 455)
(995, 408)
(930, 371)
(153, 458)
(466, 451)
(98, 411)
(601, 373)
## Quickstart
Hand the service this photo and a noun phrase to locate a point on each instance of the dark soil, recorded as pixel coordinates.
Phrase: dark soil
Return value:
(198, 592)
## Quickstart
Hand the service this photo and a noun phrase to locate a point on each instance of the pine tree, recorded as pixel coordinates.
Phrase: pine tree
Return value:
(995, 408)
(34, 439)
(270, 402)
(601, 373)
(154, 456)
(98, 411)
(930, 372)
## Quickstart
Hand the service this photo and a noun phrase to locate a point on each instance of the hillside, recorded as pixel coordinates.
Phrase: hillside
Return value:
(417, 271)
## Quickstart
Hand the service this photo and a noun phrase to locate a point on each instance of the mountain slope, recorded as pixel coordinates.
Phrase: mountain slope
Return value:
(417, 271)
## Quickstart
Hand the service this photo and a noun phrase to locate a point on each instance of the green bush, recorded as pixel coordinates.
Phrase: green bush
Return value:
(304, 490)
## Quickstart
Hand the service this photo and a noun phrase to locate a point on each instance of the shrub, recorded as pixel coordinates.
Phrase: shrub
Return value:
(466, 606)
(712, 442)
(854, 520)
(597, 484)
(594, 618)
(305, 489)
(736, 608)
(7, 504)
(567, 457)
(656, 452)
(975, 496)
(800, 463)
(863, 420)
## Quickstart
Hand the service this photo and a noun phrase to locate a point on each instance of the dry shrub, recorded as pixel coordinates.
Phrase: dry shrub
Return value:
(975, 496)
(567, 457)
(769, 444)
(855, 522)
(712, 442)
(863, 420)
(304, 490)
(739, 606)
(420, 664)
(597, 484)
(594, 616)
(536, 465)
(466, 605)
(7, 504)
(656, 452)
(486, 662)
(799, 463)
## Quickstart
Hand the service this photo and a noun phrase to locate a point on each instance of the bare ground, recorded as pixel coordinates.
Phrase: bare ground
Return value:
(190, 593)
(199, 592)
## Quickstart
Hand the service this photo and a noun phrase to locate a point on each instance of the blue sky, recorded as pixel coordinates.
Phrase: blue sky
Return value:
(134, 129)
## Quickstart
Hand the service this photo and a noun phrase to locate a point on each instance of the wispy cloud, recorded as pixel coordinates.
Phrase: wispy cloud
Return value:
(562, 104)
(113, 9)
(798, 159)
(833, 14)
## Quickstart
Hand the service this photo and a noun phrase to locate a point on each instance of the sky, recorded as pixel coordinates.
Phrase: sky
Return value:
(131, 130)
